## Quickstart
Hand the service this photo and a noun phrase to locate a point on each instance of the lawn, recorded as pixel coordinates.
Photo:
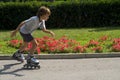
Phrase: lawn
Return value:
(82, 35)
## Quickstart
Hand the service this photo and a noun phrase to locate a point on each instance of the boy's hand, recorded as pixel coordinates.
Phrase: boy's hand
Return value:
(48, 31)
(13, 33)
(52, 34)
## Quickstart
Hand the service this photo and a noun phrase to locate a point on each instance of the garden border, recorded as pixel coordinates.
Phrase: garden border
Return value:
(67, 56)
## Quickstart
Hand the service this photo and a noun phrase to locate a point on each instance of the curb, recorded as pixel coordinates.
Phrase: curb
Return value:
(68, 56)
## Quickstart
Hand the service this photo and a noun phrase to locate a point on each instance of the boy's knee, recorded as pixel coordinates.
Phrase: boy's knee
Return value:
(34, 44)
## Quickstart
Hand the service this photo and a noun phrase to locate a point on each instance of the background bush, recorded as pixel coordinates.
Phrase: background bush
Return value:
(64, 14)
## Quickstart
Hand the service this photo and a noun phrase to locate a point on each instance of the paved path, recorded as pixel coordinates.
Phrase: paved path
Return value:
(63, 69)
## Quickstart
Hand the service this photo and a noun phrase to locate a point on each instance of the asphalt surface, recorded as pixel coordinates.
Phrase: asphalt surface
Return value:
(63, 69)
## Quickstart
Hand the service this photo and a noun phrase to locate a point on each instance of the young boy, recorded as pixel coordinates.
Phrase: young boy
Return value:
(26, 28)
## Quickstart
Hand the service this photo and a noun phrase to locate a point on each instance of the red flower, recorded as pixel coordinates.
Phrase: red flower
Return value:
(103, 38)
(116, 47)
(63, 39)
(79, 49)
(51, 43)
(14, 43)
(93, 43)
(116, 40)
(97, 49)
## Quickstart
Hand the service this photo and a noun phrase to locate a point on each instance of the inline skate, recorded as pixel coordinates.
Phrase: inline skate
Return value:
(18, 56)
(32, 63)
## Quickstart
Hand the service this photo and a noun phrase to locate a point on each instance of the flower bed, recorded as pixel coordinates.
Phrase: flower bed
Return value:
(65, 45)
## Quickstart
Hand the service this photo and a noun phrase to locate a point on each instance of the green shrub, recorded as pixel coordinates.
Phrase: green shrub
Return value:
(64, 14)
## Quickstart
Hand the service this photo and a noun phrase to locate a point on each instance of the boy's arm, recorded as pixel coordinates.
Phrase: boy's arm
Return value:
(13, 33)
(20, 25)
(49, 32)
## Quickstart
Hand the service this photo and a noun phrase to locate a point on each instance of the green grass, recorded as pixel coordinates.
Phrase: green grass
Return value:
(82, 35)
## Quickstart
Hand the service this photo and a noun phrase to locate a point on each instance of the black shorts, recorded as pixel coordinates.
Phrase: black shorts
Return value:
(26, 37)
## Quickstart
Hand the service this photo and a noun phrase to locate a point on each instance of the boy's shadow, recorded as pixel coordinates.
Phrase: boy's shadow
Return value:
(9, 66)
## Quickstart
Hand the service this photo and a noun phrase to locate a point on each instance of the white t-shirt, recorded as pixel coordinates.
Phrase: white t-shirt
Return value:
(32, 24)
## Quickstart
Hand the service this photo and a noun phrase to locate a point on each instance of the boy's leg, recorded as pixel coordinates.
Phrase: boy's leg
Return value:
(34, 46)
(22, 48)
(31, 56)
(18, 55)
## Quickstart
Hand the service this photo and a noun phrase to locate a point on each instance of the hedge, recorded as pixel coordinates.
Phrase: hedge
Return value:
(64, 14)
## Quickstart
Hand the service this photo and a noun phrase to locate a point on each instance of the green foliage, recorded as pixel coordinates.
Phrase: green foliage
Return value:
(83, 13)
(104, 37)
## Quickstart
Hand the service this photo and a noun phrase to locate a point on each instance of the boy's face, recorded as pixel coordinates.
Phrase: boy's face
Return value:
(45, 17)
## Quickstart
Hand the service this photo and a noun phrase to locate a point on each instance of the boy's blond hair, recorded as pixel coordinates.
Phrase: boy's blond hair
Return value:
(43, 11)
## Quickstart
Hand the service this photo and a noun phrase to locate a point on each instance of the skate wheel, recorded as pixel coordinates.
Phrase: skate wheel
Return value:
(34, 67)
(28, 66)
(31, 67)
